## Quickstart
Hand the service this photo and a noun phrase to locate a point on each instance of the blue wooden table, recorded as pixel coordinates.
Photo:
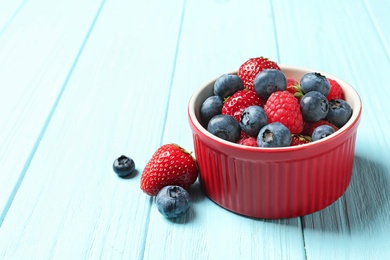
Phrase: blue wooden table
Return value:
(82, 82)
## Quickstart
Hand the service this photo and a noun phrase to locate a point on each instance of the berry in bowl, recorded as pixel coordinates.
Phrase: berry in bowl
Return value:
(274, 141)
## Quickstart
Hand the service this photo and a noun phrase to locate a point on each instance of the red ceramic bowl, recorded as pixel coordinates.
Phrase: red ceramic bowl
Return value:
(275, 182)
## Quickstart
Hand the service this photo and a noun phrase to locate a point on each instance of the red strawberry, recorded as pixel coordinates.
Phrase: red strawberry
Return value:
(294, 88)
(236, 103)
(297, 139)
(169, 165)
(249, 69)
(336, 92)
(308, 127)
(283, 107)
(248, 141)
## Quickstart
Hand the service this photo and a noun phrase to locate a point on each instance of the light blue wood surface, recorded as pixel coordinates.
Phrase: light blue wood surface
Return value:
(82, 82)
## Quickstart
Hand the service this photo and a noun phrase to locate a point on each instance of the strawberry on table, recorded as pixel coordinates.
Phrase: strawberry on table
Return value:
(236, 104)
(169, 165)
(249, 69)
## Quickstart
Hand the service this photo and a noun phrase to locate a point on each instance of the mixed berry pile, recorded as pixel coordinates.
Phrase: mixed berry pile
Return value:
(257, 107)
(261, 107)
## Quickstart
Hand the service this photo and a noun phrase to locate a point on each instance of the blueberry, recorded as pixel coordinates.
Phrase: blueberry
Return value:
(227, 84)
(339, 112)
(211, 107)
(253, 119)
(314, 81)
(225, 127)
(123, 166)
(268, 81)
(321, 131)
(274, 135)
(173, 201)
(314, 106)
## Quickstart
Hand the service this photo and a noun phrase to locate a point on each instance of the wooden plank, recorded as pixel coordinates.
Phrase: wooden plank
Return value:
(8, 11)
(219, 42)
(347, 43)
(71, 204)
(379, 15)
(37, 51)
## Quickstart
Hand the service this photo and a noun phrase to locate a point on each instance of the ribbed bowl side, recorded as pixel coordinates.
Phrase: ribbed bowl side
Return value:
(285, 189)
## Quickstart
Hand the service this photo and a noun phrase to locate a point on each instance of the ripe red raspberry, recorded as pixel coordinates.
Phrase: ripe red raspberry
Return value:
(283, 107)
(249, 69)
(308, 127)
(248, 141)
(336, 92)
(236, 103)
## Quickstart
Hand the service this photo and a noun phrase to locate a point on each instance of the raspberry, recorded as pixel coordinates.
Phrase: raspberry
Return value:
(248, 141)
(283, 107)
(336, 92)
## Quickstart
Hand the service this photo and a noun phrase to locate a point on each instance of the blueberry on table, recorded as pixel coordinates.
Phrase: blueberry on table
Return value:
(321, 131)
(225, 127)
(123, 166)
(269, 81)
(173, 201)
(253, 119)
(211, 107)
(227, 84)
(274, 135)
(339, 112)
(314, 106)
(315, 81)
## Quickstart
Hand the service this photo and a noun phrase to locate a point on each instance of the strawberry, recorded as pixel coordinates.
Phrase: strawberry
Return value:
(294, 87)
(297, 139)
(308, 127)
(284, 108)
(236, 103)
(249, 69)
(336, 92)
(169, 165)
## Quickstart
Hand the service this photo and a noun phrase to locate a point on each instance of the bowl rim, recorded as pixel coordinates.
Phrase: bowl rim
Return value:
(354, 120)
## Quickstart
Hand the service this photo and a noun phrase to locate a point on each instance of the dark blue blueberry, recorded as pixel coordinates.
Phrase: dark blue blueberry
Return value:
(321, 131)
(227, 84)
(173, 201)
(314, 106)
(269, 81)
(339, 112)
(123, 166)
(314, 81)
(211, 107)
(225, 127)
(274, 135)
(253, 119)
